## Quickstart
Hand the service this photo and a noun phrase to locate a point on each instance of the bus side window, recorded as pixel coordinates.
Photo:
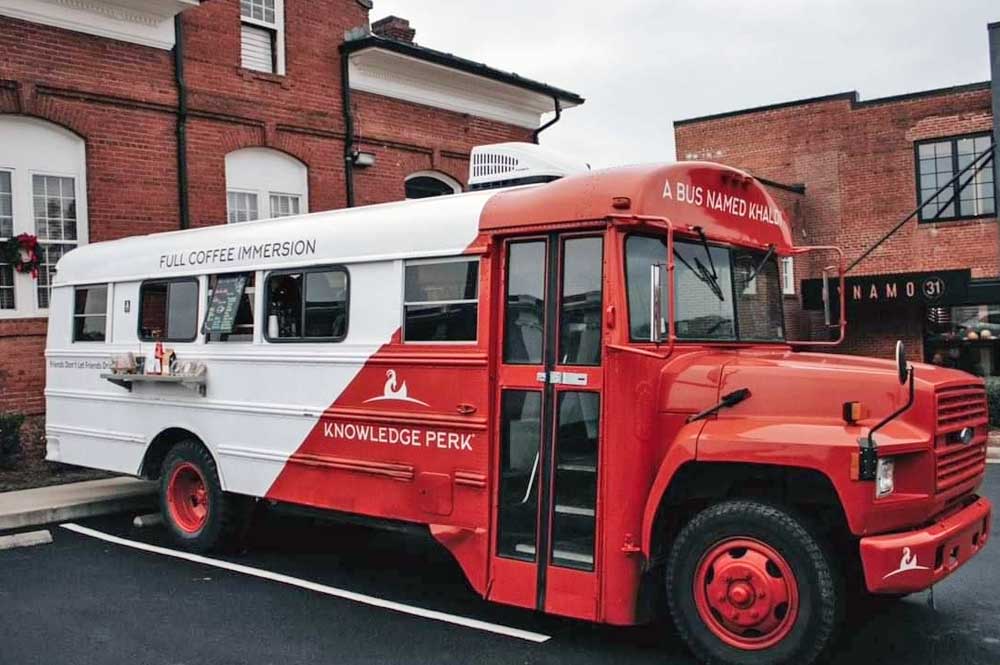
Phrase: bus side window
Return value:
(90, 313)
(234, 321)
(168, 310)
(307, 305)
(441, 300)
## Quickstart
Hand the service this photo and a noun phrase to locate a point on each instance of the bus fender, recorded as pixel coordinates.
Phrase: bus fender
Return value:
(684, 449)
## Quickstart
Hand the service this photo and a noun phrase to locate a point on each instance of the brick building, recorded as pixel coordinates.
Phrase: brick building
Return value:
(851, 170)
(124, 117)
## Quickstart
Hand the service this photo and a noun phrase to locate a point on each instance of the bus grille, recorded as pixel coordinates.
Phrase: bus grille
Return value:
(959, 407)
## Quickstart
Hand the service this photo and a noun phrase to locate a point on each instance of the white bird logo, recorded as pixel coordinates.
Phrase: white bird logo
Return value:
(393, 392)
(907, 563)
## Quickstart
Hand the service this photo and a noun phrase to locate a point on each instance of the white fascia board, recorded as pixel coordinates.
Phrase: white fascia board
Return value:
(144, 22)
(390, 74)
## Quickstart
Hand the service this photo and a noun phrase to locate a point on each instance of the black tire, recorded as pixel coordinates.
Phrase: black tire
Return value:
(809, 631)
(226, 514)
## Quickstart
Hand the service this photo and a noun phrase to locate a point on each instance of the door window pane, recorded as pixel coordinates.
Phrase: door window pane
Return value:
(519, 459)
(168, 311)
(574, 508)
(90, 313)
(525, 307)
(580, 302)
(641, 252)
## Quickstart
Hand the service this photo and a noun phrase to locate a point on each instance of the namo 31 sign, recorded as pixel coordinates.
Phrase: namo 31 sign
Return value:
(943, 287)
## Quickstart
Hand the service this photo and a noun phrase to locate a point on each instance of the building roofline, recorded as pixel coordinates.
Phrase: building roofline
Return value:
(795, 188)
(851, 97)
(460, 64)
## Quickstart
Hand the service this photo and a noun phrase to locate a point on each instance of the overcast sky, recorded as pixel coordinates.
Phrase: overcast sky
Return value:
(641, 64)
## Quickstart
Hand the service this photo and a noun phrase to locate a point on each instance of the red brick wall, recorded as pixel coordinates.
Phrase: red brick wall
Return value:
(121, 99)
(857, 162)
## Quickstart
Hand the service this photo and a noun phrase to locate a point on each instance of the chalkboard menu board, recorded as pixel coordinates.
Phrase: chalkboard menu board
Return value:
(225, 304)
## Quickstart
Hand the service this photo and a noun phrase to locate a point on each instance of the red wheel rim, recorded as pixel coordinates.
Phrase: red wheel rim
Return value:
(746, 594)
(187, 498)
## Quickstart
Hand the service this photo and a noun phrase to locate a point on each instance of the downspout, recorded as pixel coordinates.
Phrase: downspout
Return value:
(994, 32)
(534, 135)
(182, 112)
(345, 96)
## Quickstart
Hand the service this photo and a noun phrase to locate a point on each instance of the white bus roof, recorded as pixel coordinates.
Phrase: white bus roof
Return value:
(440, 226)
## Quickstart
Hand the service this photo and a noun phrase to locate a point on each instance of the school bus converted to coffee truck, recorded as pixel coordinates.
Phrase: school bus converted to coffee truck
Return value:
(582, 388)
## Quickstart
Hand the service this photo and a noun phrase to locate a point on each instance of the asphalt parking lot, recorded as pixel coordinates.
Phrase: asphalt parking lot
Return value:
(305, 592)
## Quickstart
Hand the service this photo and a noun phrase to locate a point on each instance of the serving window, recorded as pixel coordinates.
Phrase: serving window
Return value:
(230, 316)
(168, 310)
(441, 300)
(307, 305)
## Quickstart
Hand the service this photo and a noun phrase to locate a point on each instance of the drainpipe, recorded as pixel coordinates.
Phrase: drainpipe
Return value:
(182, 111)
(534, 135)
(345, 96)
(994, 30)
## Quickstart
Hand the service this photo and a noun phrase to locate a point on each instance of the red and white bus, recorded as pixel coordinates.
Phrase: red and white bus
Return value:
(582, 388)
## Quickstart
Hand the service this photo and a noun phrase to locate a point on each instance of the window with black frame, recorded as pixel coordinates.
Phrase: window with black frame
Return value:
(938, 162)
(90, 313)
(307, 305)
(230, 315)
(168, 310)
(441, 300)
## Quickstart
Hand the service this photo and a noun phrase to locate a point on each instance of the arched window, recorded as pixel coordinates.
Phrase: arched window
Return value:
(43, 192)
(262, 183)
(424, 184)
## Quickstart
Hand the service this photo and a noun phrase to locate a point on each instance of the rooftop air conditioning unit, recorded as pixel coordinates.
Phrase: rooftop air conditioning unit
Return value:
(510, 164)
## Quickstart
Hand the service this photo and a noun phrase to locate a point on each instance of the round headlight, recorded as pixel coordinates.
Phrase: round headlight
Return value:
(965, 436)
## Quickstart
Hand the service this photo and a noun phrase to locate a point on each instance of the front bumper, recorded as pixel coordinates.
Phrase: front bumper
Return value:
(914, 560)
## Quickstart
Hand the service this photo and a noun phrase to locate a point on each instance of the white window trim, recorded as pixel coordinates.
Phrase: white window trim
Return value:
(254, 178)
(455, 185)
(279, 37)
(787, 276)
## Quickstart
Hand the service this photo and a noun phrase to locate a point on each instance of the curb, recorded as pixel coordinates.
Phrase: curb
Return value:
(74, 501)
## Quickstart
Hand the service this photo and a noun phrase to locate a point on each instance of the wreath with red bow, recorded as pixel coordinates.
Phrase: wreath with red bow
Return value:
(22, 253)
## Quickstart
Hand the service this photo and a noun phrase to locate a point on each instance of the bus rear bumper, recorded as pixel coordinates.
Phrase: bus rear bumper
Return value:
(914, 560)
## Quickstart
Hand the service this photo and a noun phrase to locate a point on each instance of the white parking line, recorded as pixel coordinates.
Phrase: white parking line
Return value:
(313, 586)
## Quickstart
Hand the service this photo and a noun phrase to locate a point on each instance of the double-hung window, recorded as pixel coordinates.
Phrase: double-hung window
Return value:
(55, 226)
(262, 40)
(6, 231)
(938, 162)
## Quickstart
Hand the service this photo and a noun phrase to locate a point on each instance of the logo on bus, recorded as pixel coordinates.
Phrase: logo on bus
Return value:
(394, 391)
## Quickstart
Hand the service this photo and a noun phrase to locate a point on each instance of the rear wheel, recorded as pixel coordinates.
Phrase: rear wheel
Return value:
(198, 514)
(748, 583)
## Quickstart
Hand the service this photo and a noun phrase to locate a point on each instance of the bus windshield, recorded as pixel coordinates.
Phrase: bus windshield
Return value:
(721, 293)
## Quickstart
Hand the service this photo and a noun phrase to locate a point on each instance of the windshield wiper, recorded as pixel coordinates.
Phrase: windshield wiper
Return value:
(760, 266)
(701, 272)
(727, 401)
(708, 252)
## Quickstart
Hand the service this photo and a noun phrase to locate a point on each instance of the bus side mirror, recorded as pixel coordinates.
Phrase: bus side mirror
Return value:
(657, 303)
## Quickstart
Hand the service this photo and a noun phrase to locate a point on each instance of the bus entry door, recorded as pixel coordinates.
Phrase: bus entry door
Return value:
(545, 552)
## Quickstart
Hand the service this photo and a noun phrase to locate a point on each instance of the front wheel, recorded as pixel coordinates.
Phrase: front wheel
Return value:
(749, 584)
